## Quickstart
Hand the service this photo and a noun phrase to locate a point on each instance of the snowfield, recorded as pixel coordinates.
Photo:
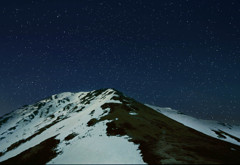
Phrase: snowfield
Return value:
(98, 148)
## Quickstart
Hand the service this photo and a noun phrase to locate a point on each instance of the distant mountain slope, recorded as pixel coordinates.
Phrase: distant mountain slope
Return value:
(104, 126)
(222, 131)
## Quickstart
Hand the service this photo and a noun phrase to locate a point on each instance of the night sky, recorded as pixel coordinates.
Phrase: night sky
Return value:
(183, 54)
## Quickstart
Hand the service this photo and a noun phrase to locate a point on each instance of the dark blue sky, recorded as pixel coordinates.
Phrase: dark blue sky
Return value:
(183, 54)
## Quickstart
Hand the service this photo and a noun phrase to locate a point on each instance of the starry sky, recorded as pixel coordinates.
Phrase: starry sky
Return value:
(183, 54)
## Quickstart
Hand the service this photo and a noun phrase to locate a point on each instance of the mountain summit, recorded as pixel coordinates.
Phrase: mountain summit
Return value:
(105, 126)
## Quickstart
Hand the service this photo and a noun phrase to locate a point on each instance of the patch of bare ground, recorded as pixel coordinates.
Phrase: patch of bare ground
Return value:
(39, 154)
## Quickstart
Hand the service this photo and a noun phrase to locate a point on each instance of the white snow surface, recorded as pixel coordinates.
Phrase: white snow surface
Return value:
(97, 148)
(205, 126)
(91, 143)
(133, 113)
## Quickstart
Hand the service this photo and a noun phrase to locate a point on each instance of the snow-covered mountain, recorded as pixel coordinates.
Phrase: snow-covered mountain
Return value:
(104, 126)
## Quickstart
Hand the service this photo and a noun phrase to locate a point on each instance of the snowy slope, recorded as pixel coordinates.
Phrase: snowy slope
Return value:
(66, 115)
(222, 131)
